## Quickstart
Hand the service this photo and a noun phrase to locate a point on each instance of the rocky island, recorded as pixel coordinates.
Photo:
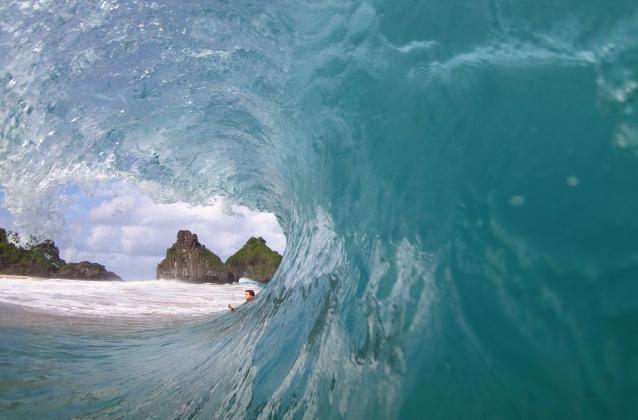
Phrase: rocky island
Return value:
(254, 260)
(188, 260)
(43, 260)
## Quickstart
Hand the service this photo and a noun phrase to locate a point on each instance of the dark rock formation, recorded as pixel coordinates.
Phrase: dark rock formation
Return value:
(43, 260)
(49, 249)
(191, 261)
(86, 270)
(38, 261)
(254, 260)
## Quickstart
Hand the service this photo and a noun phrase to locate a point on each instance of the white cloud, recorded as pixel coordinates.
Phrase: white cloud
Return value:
(102, 238)
(130, 233)
(113, 211)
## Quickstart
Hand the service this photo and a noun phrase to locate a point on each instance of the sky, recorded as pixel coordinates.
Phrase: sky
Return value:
(129, 233)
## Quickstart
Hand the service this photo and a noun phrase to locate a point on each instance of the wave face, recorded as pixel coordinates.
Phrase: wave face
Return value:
(456, 181)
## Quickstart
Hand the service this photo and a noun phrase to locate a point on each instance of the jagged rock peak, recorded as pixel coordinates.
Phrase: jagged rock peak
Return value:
(186, 240)
(189, 260)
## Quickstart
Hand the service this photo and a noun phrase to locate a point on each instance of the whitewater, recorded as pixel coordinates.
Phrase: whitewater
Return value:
(456, 182)
(140, 299)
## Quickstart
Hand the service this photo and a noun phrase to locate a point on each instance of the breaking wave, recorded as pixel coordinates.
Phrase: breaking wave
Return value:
(456, 182)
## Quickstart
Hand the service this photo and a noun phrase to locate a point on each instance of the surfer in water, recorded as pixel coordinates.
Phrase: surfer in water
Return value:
(248, 295)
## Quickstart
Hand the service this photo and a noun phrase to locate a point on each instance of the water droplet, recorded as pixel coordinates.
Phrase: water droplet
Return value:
(626, 137)
(517, 200)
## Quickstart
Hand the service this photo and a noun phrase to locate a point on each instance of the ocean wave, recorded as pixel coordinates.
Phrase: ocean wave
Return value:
(455, 182)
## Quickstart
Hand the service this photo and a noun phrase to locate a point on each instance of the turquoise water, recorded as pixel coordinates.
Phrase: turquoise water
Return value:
(456, 182)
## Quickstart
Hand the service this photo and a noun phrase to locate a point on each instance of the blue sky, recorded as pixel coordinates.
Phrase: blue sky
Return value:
(129, 233)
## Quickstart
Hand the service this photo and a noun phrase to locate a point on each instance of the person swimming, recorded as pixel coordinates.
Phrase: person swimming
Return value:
(248, 295)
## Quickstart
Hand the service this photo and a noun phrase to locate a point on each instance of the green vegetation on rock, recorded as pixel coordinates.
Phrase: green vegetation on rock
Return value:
(202, 254)
(43, 260)
(33, 261)
(85, 270)
(254, 260)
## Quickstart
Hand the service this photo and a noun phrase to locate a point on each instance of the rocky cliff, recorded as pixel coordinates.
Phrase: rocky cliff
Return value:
(86, 270)
(189, 260)
(43, 260)
(254, 260)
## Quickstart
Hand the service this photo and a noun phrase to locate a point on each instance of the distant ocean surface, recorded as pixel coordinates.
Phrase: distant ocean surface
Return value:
(456, 180)
(119, 299)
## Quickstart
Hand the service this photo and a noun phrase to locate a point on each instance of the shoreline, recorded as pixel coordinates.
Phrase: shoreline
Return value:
(18, 277)
(23, 277)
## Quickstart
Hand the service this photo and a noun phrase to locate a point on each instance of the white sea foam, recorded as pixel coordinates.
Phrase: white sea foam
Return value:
(120, 299)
